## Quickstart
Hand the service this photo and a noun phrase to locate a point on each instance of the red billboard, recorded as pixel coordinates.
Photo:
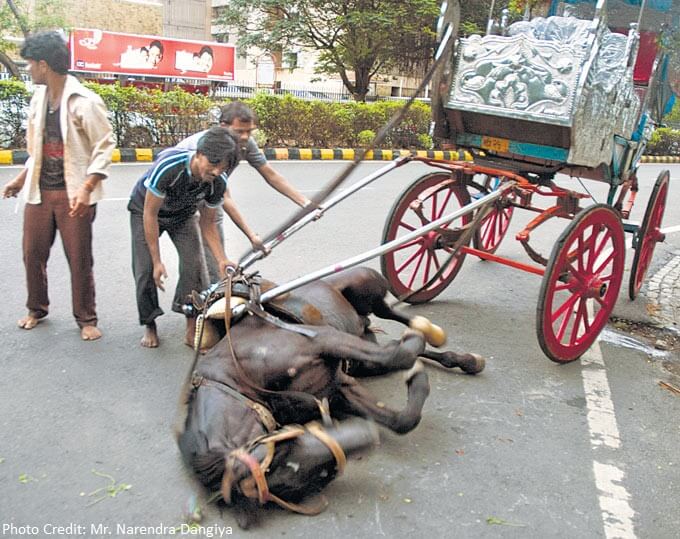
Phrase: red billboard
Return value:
(96, 51)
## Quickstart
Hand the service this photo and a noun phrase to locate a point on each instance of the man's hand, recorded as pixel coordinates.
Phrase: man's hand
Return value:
(159, 274)
(80, 203)
(258, 245)
(12, 189)
(227, 265)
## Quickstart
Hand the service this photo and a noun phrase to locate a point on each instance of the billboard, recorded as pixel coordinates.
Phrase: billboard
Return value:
(97, 51)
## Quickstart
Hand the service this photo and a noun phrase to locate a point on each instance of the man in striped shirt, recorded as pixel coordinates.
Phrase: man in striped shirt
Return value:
(166, 199)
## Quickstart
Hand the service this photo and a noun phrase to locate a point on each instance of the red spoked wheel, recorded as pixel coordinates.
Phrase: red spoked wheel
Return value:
(581, 284)
(415, 263)
(649, 234)
(493, 228)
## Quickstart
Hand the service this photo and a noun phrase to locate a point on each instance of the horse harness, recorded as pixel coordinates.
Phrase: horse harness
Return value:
(255, 486)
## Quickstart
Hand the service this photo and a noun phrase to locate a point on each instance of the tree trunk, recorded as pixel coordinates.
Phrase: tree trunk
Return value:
(361, 80)
(10, 65)
(20, 20)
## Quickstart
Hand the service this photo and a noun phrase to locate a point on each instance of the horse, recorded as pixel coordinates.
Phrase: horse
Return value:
(298, 369)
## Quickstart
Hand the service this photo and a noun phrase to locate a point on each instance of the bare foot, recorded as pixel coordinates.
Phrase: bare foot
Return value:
(28, 322)
(90, 333)
(190, 332)
(150, 339)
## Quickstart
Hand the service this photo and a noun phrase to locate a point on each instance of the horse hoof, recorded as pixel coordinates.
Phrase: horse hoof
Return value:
(434, 335)
(474, 365)
(417, 368)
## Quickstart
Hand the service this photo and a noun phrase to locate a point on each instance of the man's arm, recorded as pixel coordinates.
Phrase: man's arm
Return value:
(13, 187)
(212, 238)
(237, 218)
(152, 204)
(280, 183)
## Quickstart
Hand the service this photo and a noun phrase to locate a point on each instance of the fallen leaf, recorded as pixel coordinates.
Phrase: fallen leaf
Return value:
(501, 522)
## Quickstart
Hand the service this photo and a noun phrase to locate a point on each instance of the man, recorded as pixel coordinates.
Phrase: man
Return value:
(241, 121)
(165, 199)
(70, 143)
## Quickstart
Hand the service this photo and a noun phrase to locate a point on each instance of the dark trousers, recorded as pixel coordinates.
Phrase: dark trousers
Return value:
(41, 222)
(192, 270)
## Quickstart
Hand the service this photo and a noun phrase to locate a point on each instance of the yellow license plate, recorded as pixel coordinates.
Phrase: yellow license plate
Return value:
(494, 144)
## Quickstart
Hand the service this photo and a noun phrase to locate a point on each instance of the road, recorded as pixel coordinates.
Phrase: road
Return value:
(528, 448)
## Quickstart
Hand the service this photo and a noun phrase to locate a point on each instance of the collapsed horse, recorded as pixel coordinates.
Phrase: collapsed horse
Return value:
(273, 408)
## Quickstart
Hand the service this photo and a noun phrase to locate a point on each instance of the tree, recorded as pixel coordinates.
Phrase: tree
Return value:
(20, 18)
(359, 36)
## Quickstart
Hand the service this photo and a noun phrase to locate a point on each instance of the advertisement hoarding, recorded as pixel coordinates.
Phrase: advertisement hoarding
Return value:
(97, 51)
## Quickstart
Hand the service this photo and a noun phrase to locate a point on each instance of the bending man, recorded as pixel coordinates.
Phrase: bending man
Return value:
(240, 120)
(165, 199)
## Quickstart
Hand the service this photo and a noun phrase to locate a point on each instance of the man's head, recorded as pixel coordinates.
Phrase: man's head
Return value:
(216, 152)
(205, 58)
(240, 119)
(45, 52)
(155, 52)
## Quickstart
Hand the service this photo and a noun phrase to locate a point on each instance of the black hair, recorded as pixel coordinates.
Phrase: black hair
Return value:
(48, 46)
(207, 49)
(157, 44)
(218, 145)
(237, 110)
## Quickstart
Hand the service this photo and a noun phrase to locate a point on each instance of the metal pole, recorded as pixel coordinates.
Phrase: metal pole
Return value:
(253, 257)
(385, 248)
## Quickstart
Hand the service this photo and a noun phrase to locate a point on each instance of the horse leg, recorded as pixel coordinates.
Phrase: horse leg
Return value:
(337, 345)
(468, 363)
(365, 289)
(358, 401)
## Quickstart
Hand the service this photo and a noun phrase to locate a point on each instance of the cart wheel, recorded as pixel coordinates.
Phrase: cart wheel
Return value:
(412, 265)
(648, 234)
(581, 283)
(493, 228)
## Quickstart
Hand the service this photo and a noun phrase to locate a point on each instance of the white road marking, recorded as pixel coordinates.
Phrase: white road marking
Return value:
(614, 499)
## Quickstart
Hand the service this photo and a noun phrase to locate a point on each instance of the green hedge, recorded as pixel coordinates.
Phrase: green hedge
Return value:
(14, 100)
(288, 121)
(664, 141)
(155, 118)
(152, 118)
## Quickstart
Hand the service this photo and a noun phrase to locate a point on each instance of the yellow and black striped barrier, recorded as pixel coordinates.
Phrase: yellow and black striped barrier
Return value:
(142, 155)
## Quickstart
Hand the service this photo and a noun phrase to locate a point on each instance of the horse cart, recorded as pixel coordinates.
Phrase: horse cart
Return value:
(563, 94)
(556, 95)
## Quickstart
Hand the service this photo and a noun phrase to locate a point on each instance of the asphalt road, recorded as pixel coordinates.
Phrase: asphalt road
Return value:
(528, 448)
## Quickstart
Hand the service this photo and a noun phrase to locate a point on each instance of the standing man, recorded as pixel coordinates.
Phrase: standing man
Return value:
(241, 121)
(165, 199)
(70, 143)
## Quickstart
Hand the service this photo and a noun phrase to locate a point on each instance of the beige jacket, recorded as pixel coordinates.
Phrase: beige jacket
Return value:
(86, 132)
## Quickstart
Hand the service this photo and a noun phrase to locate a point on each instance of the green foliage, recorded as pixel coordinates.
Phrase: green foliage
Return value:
(289, 121)
(425, 141)
(354, 35)
(14, 100)
(146, 118)
(365, 137)
(664, 141)
(674, 115)
(42, 15)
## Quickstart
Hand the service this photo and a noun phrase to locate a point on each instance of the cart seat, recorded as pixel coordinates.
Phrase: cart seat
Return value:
(561, 87)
